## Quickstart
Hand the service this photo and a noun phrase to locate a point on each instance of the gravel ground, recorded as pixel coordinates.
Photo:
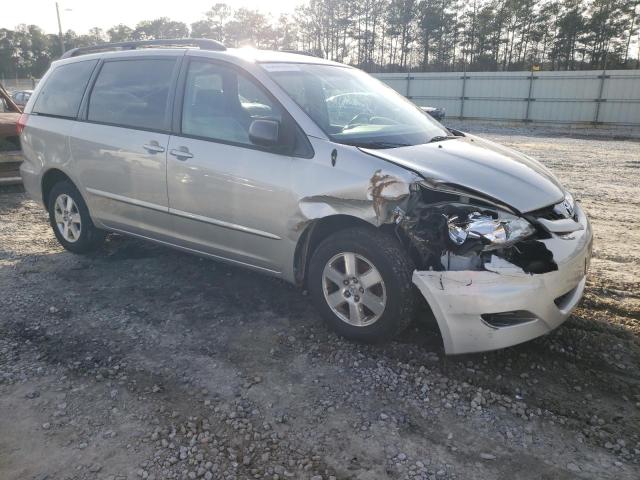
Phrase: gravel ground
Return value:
(143, 362)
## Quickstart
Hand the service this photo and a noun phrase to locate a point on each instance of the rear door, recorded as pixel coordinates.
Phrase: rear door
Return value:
(120, 147)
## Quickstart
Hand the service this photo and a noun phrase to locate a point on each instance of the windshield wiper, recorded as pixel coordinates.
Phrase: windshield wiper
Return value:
(383, 145)
(440, 138)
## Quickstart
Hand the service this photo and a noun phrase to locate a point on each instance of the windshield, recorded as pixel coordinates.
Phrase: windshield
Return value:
(354, 108)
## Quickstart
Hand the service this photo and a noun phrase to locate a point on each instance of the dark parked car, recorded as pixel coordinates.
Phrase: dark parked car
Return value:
(435, 112)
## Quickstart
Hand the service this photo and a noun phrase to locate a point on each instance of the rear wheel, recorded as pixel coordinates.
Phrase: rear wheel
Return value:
(70, 219)
(360, 281)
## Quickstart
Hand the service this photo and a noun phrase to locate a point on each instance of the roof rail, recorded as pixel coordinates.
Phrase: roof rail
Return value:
(301, 52)
(202, 43)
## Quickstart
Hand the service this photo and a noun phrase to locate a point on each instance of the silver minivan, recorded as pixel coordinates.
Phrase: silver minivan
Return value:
(311, 171)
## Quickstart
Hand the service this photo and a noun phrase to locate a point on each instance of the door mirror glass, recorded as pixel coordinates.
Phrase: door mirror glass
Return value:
(264, 133)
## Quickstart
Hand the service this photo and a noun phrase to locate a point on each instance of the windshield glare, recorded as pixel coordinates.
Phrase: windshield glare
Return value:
(354, 108)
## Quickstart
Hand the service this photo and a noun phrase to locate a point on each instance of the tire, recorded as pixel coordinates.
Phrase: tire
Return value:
(370, 248)
(81, 235)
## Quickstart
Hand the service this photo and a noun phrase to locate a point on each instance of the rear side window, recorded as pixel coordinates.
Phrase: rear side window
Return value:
(62, 93)
(133, 93)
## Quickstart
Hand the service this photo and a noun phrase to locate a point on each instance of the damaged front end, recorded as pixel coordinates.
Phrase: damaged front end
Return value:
(447, 231)
(493, 277)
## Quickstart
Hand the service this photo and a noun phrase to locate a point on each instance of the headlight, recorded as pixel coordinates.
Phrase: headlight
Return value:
(496, 232)
(566, 208)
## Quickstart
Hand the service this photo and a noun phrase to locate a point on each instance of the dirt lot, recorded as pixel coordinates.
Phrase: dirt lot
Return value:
(143, 362)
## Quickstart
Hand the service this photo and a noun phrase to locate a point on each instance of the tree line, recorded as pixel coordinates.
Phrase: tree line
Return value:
(387, 35)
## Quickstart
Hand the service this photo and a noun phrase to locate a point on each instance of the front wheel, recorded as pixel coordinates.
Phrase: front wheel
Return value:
(360, 281)
(70, 219)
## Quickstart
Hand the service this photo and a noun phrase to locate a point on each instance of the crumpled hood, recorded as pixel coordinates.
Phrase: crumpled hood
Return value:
(482, 166)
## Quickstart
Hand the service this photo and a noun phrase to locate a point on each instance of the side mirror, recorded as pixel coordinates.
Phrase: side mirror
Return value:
(264, 132)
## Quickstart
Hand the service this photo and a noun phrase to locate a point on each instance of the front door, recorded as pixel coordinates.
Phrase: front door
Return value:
(227, 196)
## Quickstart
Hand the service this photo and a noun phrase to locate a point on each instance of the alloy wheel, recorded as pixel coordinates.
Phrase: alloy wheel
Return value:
(67, 217)
(354, 289)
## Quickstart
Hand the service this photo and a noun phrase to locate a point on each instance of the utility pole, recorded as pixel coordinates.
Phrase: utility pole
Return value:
(60, 30)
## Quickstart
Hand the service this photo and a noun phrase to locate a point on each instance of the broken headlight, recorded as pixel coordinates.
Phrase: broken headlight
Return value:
(497, 232)
(566, 208)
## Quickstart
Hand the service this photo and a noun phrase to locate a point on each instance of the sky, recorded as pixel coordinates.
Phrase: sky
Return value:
(81, 15)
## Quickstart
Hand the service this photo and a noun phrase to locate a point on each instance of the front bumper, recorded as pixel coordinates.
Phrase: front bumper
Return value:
(458, 299)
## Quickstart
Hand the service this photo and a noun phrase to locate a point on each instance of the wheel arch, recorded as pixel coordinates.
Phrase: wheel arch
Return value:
(314, 233)
(51, 178)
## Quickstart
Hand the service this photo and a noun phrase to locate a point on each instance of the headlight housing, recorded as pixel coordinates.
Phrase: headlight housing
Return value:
(503, 231)
(566, 208)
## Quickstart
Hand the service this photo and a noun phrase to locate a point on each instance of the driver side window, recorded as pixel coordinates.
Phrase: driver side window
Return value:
(220, 103)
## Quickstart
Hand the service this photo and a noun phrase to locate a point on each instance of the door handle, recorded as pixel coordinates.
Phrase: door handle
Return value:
(153, 147)
(181, 153)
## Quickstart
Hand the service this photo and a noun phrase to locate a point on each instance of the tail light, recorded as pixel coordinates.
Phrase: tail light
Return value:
(22, 122)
